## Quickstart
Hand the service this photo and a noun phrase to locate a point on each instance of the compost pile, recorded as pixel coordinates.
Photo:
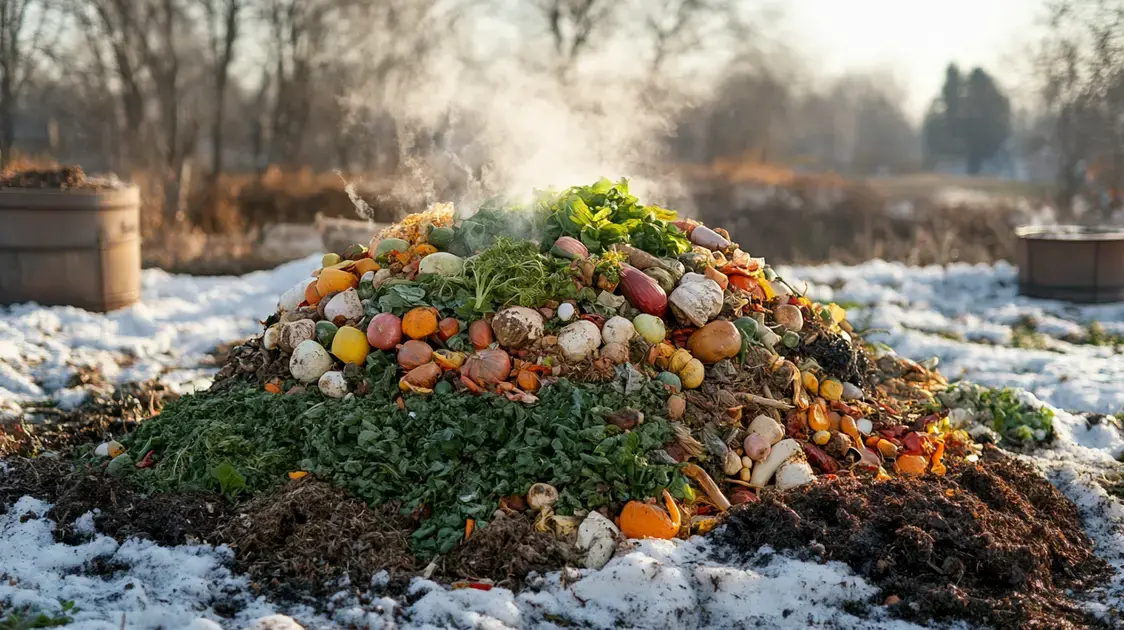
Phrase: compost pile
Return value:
(583, 358)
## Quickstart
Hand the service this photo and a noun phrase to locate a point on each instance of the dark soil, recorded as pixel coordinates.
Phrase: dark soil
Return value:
(294, 542)
(61, 178)
(124, 510)
(994, 544)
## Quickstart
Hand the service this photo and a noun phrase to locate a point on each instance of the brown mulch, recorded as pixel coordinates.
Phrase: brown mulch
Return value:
(995, 544)
(108, 412)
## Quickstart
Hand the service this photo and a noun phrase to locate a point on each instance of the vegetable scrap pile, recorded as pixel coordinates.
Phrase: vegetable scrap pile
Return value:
(594, 361)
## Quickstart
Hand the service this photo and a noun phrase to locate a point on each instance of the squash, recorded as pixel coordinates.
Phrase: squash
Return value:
(334, 281)
(643, 520)
(420, 322)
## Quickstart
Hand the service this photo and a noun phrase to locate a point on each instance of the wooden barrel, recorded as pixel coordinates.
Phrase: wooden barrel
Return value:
(1071, 263)
(75, 247)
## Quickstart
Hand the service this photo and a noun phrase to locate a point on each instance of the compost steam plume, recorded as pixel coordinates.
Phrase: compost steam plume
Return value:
(468, 127)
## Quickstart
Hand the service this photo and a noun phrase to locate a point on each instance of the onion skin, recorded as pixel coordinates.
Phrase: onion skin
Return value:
(414, 354)
(385, 332)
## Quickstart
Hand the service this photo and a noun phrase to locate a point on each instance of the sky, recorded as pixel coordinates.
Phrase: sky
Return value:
(915, 39)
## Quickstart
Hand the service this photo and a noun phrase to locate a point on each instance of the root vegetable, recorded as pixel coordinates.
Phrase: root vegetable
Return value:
(715, 341)
(569, 248)
(756, 446)
(618, 330)
(641, 259)
(517, 327)
(309, 361)
(767, 428)
(708, 238)
(745, 474)
(346, 305)
(295, 333)
(332, 384)
(793, 473)
(385, 331)
(732, 464)
(780, 453)
(676, 407)
(642, 520)
(696, 300)
(542, 496)
(578, 340)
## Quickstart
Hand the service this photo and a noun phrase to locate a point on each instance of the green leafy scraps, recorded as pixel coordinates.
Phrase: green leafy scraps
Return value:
(456, 454)
(605, 214)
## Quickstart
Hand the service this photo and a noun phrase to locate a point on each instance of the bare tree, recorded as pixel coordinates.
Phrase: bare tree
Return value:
(572, 25)
(29, 31)
(223, 21)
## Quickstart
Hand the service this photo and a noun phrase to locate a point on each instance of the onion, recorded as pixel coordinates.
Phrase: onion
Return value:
(413, 354)
(716, 341)
(618, 330)
(488, 367)
(385, 331)
(480, 334)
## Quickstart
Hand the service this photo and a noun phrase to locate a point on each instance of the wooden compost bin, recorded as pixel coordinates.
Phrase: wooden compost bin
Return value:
(1071, 263)
(74, 247)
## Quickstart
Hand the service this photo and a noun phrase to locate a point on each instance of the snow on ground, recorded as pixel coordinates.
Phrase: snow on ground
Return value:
(178, 321)
(964, 315)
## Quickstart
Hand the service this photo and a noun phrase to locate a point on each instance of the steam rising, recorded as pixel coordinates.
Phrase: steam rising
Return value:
(506, 126)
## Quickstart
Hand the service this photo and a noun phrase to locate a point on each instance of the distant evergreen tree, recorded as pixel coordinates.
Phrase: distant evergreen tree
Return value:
(970, 120)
